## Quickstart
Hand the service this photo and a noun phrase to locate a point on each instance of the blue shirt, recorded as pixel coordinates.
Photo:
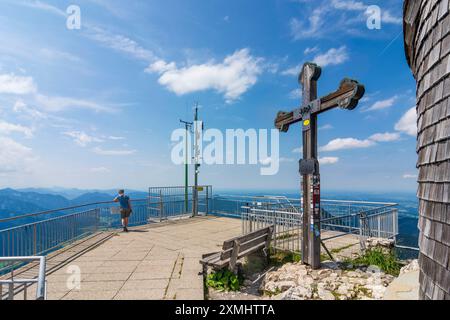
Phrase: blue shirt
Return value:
(124, 202)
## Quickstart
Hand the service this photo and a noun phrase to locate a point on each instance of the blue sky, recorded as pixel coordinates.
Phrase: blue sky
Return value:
(95, 107)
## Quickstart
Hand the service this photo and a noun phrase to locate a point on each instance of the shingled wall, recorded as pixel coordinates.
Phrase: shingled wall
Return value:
(427, 42)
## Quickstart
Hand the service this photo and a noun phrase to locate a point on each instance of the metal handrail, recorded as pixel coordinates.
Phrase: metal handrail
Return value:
(41, 291)
(64, 209)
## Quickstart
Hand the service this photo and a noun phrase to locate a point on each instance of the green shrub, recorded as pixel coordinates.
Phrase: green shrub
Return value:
(279, 258)
(387, 262)
(224, 280)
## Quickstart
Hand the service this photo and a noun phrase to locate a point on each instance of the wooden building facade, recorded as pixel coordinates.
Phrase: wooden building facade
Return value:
(427, 45)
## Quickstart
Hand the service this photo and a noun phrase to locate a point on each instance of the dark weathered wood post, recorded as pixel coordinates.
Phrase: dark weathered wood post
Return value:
(311, 179)
(346, 97)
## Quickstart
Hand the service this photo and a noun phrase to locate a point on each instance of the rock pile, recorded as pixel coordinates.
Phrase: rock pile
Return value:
(386, 245)
(295, 281)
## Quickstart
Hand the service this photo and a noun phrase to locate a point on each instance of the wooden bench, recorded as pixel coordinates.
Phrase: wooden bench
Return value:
(237, 248)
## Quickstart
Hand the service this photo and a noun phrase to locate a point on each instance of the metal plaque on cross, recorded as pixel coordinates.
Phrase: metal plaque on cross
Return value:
(346, 97)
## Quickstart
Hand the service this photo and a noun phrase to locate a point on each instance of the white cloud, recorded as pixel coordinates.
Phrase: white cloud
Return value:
(326, 127)
(349, 5)
(408, 123)
(328, 160)
(52, 54)
(385, 137)
(14, 157)
(121, 44)
(346, 17)
(232, 77)
(301, 30)
(103, 152)
(297, 150)
(18, 85)
(56, 104)
(347, 143)
(116, 138)
(311, 50)
(293, 71)
(410, 176)
(22, 108)
(81, 138)
(40, 5)
(8, 128)
(383, 104)
(387, 17)
(334, 56)
(295, 94)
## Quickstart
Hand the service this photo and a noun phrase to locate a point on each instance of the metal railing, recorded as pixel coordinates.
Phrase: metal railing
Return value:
(364, 219)
(287, 226)
(12, 282)
(175, 202)
(43, 232)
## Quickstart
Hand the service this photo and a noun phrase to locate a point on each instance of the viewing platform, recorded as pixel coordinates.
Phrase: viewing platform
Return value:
(88, 258)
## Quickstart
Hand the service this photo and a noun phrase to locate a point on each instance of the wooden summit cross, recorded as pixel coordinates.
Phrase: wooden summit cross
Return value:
(346, 97)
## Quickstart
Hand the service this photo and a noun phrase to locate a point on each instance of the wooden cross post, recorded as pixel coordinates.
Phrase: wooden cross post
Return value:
(346, 97)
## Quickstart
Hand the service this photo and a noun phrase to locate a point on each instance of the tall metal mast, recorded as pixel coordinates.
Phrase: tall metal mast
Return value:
(188, 126)
(196, 160)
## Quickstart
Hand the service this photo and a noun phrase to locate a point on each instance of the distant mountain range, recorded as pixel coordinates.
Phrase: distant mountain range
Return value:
(24, 201)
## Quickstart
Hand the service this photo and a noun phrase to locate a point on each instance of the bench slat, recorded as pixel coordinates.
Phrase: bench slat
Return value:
(229, 243)
(245, 245)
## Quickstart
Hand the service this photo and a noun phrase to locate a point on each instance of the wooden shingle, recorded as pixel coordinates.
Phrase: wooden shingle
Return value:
(427, 47)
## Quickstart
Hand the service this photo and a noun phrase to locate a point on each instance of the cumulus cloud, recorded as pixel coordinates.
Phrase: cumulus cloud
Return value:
(408, 123)
(103, 152)
(232, 77)
(14, 157)
(328, 160)
(383, 104)
(385, 137)
(81, 138)
(346, 143)
(18, 85)
(334, 56)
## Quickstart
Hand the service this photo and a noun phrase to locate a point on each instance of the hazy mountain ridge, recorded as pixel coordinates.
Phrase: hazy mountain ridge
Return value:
(24, 201)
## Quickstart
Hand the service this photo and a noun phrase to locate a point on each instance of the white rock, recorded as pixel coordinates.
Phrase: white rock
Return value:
(413, 266)
(325, 295)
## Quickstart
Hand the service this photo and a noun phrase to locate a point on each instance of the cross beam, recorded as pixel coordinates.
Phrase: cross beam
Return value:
(346, 97)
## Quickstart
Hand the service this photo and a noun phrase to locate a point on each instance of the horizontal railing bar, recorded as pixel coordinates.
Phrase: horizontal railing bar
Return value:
(19, 281)
(407, 248)
(298, 200)
(64, 209)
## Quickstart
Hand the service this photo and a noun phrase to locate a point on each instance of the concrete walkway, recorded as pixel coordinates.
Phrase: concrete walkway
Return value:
(160, 261)
(405, 287)
(154, 262)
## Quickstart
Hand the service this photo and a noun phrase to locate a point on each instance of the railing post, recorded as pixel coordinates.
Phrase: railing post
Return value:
(161, 207)
(34, 241)
(379, 226)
